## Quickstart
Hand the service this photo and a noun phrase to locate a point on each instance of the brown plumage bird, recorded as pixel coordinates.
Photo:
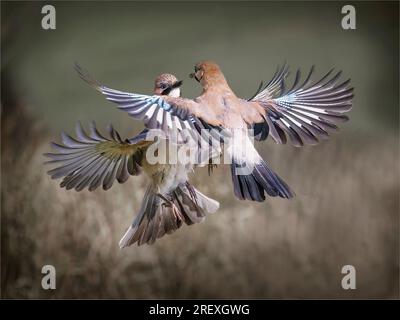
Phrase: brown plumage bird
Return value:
(304, 112)
(92, 160)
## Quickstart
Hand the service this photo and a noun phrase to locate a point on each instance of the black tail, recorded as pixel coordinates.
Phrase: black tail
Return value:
(161, 214)
(262, 178)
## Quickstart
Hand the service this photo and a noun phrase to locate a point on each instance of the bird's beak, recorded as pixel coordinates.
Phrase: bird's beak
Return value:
(193, 75)
(177, 84)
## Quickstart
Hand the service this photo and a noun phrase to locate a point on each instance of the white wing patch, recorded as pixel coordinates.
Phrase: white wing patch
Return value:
(160, 115)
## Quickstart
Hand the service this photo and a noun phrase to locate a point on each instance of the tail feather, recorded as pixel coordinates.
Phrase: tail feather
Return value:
(252, 186)
(207, 204)
(164, 214)
(190, 210)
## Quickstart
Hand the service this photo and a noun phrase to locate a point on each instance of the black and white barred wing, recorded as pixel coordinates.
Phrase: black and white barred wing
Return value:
(177, 120)
(307, 112)
(153, 110)
(92, 160)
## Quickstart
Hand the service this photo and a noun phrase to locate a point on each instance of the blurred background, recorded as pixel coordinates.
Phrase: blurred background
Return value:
(347, 206)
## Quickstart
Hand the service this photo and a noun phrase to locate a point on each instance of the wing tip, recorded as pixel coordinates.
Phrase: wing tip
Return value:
(85, 76)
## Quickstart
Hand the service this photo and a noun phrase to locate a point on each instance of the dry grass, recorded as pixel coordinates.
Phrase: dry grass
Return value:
(346, 212)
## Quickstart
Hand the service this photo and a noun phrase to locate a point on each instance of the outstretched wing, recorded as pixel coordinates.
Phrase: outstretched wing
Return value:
(157, 112)
(176, 116)
(306, 112)
(92, 160)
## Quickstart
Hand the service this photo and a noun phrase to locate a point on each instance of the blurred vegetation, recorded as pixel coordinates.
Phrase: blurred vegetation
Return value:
(346, 210)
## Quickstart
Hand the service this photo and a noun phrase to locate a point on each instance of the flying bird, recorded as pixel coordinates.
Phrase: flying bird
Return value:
(305, 113)
(93, 160)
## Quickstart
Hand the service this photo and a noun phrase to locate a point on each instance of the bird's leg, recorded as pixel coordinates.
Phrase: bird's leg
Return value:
(211, 166)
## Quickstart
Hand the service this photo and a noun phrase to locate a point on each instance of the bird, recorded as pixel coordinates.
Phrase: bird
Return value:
(92, 160)
(304, 113)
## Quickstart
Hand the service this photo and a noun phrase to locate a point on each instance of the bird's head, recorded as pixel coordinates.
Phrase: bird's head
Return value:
(167, 85)
(208, 73)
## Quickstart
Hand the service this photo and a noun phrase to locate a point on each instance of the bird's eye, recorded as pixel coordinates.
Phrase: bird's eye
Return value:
(163, 85)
